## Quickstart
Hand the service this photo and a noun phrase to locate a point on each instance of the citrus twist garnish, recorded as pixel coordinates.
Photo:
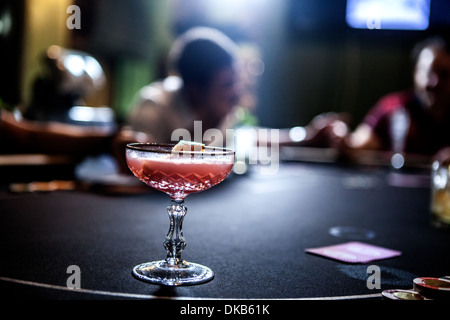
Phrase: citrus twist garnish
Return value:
(183, 145)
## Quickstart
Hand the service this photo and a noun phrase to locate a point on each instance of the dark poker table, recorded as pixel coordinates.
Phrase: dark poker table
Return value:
(252, 230)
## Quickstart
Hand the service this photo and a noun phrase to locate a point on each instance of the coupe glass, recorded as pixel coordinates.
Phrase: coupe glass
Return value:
(178, 174)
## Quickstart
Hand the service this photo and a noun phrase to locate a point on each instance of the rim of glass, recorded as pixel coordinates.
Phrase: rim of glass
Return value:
(147, 147)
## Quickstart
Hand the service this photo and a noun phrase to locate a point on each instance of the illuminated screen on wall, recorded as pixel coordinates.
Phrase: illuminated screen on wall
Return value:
(388, 14)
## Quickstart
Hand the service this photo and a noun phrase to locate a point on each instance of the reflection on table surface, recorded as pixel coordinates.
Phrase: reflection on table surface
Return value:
(252, 230)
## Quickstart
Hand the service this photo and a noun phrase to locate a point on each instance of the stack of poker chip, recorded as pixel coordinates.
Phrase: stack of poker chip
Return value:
(424, 288)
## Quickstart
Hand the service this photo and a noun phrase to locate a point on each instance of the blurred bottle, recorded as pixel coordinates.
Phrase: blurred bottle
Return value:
(399, 127)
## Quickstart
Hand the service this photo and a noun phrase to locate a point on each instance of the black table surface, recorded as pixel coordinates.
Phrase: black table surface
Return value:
(251, 230)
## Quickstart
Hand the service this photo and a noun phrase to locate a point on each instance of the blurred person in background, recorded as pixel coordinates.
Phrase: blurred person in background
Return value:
(203, 84)
(46, 127)
(419, 116)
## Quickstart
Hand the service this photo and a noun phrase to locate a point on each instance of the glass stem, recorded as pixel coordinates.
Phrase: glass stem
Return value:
(175, 243)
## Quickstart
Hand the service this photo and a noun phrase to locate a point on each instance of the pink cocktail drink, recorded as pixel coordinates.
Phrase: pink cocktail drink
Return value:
(179, 176)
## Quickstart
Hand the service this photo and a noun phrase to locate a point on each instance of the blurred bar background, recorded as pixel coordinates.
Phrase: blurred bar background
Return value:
(311, 60)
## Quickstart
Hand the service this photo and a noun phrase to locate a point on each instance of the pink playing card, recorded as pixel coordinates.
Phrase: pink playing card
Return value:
(354, 252)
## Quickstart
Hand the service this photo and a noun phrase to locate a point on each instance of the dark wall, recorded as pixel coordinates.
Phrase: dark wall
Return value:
(11, 16)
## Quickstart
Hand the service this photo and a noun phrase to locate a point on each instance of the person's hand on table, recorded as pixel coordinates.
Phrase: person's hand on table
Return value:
(442, 155)
(329, 129)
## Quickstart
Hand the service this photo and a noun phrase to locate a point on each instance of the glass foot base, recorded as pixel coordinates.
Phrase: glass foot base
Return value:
(184, 274)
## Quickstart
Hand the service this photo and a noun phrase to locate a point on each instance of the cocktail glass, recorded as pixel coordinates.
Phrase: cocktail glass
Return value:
(178, 174)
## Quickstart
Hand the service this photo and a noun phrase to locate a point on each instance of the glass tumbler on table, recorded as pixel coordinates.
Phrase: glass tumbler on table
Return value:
(440, 195)
(178, 174)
